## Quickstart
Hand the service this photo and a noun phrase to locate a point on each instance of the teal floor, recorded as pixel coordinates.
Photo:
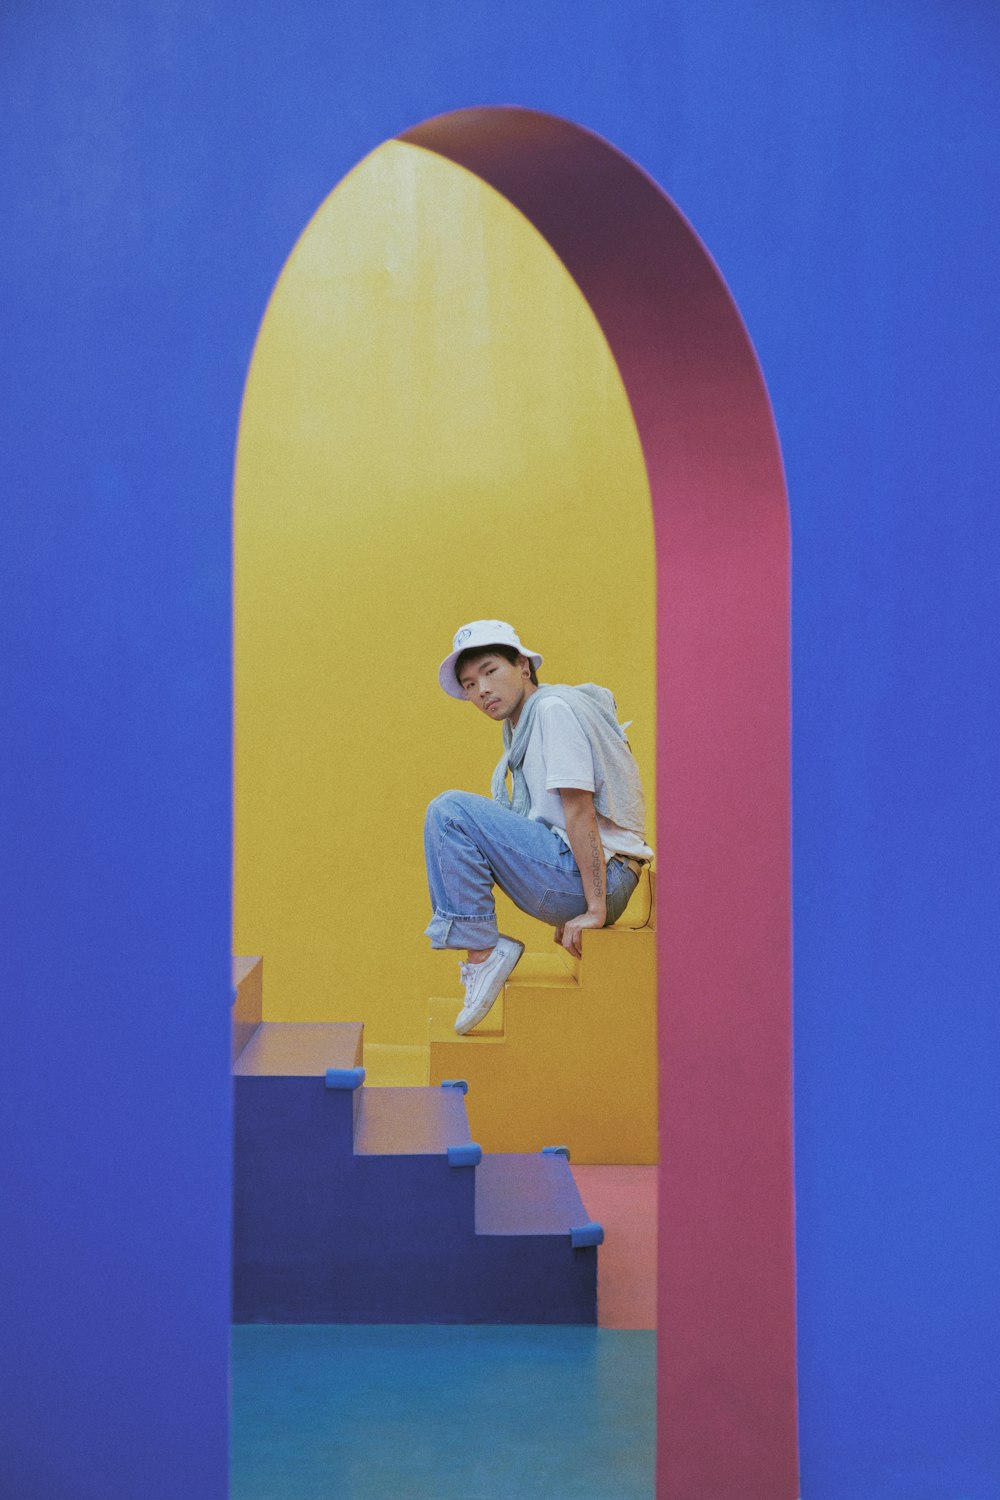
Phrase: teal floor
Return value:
(442, 1413)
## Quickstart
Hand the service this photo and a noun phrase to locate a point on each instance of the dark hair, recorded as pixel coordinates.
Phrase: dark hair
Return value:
(509, 653)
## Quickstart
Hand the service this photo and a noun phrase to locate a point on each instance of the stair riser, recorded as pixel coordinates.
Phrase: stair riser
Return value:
(493, 1279)
(299, 1188)
(267, 1110)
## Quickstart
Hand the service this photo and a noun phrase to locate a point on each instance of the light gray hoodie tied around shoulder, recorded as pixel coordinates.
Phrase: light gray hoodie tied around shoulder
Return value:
(617, 788)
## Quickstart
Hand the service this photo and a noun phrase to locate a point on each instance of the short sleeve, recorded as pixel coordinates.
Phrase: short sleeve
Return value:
(565, 748)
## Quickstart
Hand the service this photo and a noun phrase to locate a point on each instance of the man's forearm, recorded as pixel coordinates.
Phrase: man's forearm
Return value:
(588, 851)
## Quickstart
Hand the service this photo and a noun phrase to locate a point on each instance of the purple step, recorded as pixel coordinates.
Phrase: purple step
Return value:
(411, 1122)
(358, 1205)
(300, 1049)
(527, 1195)
(527, 1208)
(281, 1076)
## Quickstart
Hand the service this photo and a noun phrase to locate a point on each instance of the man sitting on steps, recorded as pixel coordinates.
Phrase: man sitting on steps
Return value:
(566, 844)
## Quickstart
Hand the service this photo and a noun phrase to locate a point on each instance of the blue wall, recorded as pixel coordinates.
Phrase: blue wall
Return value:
(840, 159)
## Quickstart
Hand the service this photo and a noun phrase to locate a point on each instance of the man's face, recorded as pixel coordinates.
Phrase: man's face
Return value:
(495, 685)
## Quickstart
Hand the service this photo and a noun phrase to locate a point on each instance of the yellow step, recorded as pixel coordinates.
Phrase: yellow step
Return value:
(557, 969)
(571, 1059)
(442, 1014)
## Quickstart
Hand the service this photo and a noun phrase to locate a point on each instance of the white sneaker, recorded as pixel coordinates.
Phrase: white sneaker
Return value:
(483, 982)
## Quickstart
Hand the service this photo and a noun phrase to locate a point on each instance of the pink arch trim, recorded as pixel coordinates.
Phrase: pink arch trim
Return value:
(726, 1354)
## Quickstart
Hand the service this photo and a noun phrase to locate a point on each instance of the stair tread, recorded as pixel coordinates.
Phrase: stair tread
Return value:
(411, 1122)
(300, 1048)
(442, 1012)
(527, 1194)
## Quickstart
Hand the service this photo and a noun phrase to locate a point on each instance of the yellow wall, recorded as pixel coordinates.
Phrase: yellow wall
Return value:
(433, 430)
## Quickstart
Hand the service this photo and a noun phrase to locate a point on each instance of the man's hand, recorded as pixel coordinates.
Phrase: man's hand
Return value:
(569, 934)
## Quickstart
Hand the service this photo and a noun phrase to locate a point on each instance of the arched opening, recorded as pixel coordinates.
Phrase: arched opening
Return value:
(726, 1348)
(726, 1360)
(433, 430)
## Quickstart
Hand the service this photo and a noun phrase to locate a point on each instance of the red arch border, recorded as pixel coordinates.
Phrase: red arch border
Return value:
(726, 1361)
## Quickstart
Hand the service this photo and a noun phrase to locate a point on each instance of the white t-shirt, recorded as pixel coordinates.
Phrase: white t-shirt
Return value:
(558, 755)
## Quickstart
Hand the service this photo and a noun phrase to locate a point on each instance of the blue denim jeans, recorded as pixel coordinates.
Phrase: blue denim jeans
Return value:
(472, 844)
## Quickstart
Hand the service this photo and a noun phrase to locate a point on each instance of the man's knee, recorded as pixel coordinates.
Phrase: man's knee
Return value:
(448, 807)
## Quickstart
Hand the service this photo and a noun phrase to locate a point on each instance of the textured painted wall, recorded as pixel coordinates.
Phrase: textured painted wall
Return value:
(434, 430)
(841, 162)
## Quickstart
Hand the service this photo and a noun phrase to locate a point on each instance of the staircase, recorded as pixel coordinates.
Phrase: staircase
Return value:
(568, 1052)
(360, 1205)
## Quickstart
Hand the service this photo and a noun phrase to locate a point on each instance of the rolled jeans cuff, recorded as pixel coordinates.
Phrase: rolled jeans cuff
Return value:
(447, 931)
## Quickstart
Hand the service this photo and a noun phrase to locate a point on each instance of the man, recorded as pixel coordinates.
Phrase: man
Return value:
(566, 844)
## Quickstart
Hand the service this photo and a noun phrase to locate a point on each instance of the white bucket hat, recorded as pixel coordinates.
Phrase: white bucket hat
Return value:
(480, 634)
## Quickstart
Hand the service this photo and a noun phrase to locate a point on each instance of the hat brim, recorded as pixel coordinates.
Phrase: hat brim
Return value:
(446, 671)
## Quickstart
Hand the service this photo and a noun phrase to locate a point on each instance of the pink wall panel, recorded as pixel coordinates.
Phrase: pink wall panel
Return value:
(727, 1404)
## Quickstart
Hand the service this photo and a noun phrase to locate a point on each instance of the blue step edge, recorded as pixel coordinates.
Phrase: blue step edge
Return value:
(455, 1083)
(469, 1155)
(345, 1078)
(556, 1151)
(587, 1234)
